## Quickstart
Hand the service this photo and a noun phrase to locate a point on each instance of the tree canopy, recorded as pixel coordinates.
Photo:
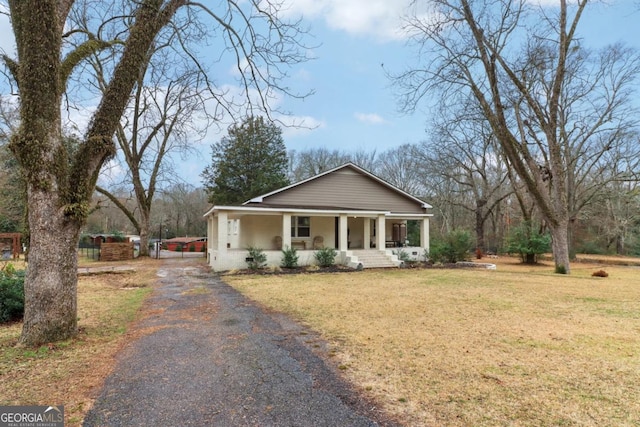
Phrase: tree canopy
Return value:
(251, 160)
(54, 39)
(556, 108)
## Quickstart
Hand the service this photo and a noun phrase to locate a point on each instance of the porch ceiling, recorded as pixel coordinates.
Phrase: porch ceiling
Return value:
(240, 211)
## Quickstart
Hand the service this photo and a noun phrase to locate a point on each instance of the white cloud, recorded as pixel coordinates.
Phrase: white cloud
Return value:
(379, 18)
(303, 75)
(382, 19)
(294, 126)
(237, 96)
(370, 118)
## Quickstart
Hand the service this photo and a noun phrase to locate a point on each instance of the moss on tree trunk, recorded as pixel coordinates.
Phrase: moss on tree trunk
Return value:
(51, 280)
(60, 185)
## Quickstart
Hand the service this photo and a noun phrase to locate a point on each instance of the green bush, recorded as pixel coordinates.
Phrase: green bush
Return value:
(425, 255)
(528, 242)
(289, 258)
(402, 255)
(453, 247)
(11, 294)
(192, 248)
(592, 247)
(257, 258)
(118, 236)
(325, 257)
(634, 247)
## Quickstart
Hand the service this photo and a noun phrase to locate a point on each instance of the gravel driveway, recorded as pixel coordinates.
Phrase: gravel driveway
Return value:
(207, 356)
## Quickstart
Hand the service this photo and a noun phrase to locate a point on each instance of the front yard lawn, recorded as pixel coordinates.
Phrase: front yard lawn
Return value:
(468, 347)
(71, 372)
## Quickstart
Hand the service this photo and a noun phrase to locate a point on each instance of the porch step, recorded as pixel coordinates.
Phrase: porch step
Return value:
(373, 259)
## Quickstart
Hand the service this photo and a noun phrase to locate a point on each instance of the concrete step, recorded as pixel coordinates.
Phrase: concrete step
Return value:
(373, 259)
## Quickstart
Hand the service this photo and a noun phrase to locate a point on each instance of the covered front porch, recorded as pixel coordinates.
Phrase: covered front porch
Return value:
(234, 229)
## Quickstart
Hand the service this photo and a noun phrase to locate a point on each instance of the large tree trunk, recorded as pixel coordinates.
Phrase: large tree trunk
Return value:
(560, 246)
(60, 185)
(144, 234)
(51, 280)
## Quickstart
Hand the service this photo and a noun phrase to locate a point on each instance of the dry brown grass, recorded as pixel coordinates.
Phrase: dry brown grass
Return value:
(70, 373)
(519, 346)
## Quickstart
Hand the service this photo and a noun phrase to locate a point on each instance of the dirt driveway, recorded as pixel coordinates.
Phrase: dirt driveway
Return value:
(207, 356)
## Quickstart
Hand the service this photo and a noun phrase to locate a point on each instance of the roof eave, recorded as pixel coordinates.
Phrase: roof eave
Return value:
(319, 212)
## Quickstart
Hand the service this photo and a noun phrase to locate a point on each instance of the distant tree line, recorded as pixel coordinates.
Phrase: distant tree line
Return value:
(176, 210)
(469, 185)
(472, 188)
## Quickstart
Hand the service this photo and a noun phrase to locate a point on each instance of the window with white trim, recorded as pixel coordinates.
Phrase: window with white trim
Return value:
(300, 226)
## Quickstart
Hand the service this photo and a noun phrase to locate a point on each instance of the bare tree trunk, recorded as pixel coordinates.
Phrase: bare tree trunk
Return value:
(50, 293)
(620, 244)
(479, 214)
(144, 234)
(60, 185)
(560, 246)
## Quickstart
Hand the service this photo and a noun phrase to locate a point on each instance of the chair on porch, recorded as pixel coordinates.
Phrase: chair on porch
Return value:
(277, 242)
(318, 242)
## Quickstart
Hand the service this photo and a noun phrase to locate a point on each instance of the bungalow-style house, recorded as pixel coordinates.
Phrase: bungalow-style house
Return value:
(347, 208)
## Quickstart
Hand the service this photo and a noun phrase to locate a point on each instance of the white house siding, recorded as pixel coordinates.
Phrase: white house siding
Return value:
(260, 230)
(233, 233)
(356, 232)
(237, 259)
(324, 226)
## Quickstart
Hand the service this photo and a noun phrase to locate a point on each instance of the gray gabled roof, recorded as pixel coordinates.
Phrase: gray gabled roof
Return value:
(350, 192)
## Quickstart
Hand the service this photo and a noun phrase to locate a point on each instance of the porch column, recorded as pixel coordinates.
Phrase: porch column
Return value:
(343, 238)
(424, 234)
(223, 220)
(367, 233)
(212, 236)
(286, 231)
(212, 232)
(381, 230)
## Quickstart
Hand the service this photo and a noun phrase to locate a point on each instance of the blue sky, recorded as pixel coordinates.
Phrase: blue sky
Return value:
(354, 103)
(354, 107)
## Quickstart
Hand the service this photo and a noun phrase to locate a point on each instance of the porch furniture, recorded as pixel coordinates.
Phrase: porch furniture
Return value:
(318, 242)
(299, 244)
(277, 242)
